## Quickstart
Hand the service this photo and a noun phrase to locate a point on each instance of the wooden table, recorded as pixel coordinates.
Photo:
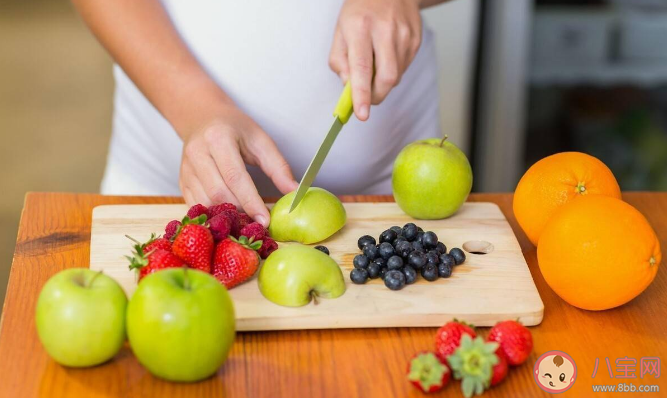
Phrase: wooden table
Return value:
(54, 234)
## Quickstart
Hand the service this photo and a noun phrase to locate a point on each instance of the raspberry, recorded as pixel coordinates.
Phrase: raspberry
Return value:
(171, 228)
(220, 227)
(244, 220)
(197, 210)
(268, 246)
(254, 230)
(217, 209)
(234, 219)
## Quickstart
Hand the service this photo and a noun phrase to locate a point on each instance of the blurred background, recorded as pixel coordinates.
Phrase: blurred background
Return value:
(519, 80)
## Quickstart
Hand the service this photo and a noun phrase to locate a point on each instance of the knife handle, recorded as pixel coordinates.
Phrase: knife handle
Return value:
(344, 107)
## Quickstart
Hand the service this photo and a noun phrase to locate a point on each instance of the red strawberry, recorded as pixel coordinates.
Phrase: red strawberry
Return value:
(171, 229)
(220, 227)
(448, 337)
(235, 261)
(500, 369)
(254, 230)
(157, 243)
(427, 372)
(268, 246)
(244, 220)
(194, 243)
(196, 211)
(217, 209)
(515, 341)
(154, 261)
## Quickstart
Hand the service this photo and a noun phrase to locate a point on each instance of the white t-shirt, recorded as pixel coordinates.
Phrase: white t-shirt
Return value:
(271, 58)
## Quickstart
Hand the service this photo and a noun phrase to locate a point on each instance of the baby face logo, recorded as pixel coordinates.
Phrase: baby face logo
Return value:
(555, 372)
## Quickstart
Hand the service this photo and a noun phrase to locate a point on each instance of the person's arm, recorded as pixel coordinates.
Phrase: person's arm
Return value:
(218, 137)
(384, 34)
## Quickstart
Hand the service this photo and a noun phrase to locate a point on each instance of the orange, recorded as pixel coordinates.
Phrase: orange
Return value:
(598, 252)
(556, 180)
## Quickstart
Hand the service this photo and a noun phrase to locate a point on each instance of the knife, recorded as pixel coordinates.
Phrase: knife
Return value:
(341, 115)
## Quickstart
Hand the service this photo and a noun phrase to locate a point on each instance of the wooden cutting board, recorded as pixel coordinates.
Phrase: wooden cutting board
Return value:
(486, 289)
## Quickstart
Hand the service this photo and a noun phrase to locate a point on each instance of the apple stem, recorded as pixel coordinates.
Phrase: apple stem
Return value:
(186, 278)
(443, 140)
(313, 295)
(92, 280)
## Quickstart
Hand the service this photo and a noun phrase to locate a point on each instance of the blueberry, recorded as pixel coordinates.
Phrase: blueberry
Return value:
(371, 251)
(398, 241)
(441, 248)
(394, 262)
(417, 245)
(394, 280)
(430, 272)
(365, 240)
(403, 248)
(419, 229)
(359, 276)
(433, 252)
(459, 255)
(380, 261)
(386, 250)
(432, 258)
(410, 275)
(410, 231)
(373, 270)
(417, 259)
(447, 259)
(444, 270)
(360, 261)
(383, 272)
(429, 240)
(323, 249)
(397, 229)
(388, 236)
(420, 236)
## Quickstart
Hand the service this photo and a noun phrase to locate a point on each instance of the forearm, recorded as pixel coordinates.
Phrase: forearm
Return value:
(142, 40)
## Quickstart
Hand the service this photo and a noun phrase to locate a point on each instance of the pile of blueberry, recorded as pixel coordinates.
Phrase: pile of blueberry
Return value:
(402, 254)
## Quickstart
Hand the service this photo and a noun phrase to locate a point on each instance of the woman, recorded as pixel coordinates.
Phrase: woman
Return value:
(225, 100)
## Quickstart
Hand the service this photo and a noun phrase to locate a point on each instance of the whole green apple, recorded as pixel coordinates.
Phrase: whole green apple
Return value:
(319, 215)
(431, 179)
(295, 274)
(80, 317)
(180, 323)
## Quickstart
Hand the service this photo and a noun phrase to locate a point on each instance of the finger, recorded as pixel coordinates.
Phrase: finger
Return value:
(338, 57)
(274, 165)
(187, 195)
(360, 63)
(227, 157)
(386, 66)
(209, 178)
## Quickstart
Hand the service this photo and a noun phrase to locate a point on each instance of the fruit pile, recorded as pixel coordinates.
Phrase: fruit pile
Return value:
(478, 363)
(401, 254)
(218, 240)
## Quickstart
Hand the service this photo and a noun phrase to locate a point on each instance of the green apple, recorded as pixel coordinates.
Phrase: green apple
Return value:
(180, 323)
(295, 274)
(80, 317)
(431, 179)
(319, 215)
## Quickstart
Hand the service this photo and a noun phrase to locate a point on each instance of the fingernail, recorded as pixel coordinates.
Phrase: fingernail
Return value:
(363, 112)
(262, 220)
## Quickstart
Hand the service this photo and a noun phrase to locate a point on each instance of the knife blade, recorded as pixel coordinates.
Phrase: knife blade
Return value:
(341, 114)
